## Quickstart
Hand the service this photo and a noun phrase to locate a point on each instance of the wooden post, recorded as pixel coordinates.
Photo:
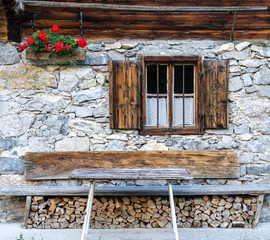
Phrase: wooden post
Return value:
(87, 217)
(258, 210)
(27, 211)
(173, 211)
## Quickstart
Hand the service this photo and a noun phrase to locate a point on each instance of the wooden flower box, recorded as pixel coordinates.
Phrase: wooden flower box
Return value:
(78, 54)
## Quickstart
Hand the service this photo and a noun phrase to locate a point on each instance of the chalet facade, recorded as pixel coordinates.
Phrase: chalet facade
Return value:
(158, 75)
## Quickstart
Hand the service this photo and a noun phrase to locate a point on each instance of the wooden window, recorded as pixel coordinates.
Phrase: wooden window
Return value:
(169, 95)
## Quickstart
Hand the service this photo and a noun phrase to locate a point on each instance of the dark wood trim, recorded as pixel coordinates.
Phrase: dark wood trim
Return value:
(111, 94)
(171, 131)
(172, 59)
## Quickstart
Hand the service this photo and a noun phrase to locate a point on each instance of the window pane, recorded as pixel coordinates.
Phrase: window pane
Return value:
(152, 79)
(188, 111)
(178, 79)
(163, 79)
(152, 107)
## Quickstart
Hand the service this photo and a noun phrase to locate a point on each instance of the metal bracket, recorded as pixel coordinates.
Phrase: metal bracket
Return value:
(34, 22)
(81, 22)
(233, 26)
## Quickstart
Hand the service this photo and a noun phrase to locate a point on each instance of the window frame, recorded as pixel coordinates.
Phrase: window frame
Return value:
(198, 105)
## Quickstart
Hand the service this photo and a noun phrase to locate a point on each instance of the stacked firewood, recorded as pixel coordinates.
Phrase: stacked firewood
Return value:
(143, 212)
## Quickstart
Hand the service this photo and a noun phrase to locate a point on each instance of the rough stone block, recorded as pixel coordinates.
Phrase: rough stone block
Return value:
(9, 54)
(96, 59)
(11, 165)
(72, 144)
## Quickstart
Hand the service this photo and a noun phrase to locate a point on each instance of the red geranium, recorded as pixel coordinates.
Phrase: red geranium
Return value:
(55, 28)
(82, 43)
(59, 46)
(45, 40)
(22, 47)
(42, 35)
(30, 41)
(67, 47)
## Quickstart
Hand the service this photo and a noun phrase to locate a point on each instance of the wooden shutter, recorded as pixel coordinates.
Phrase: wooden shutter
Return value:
(215, 78)
(124, 94)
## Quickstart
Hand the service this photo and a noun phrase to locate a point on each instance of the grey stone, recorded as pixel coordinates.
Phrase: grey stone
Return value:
(95, 47)
(83, 112)
(224, 48)
(8, 143)
(258, 170)
(243, 170)
(265, 52)
(39, 144)
(235, 84)
(98, 147)
(110, 46)
(196, 145)
(88, 95)
(55, 124)
(15, 125)
(4, 108)
(116, 146)
(251, 89)
(227, 131)
(243, 129)
(113, 55)
(241, 46)
(150, 182)
(227, 142)
(72, 144)
(247, 80)
(9, 54)
(250, 63)
(68, 81)
(216, 181)
(11, 165)
(129, 45)
(263, 91)
(96, 59)
(237, 55)
(246, 158)
(262, 77)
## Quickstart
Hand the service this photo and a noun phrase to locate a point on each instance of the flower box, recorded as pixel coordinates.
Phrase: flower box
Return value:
(78, 54)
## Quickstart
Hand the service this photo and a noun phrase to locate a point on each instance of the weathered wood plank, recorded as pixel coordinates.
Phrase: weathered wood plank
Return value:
(258, 210)
(202, 164)
(131, 173)
(142, 8)
(27, 211)
(78, 54)
(178, 190)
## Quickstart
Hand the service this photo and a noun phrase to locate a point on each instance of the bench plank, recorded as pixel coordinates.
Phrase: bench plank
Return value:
(131, 173)
(202, 164)
(136, 190)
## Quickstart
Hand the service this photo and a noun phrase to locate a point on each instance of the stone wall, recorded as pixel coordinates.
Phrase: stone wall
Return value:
(59, 106)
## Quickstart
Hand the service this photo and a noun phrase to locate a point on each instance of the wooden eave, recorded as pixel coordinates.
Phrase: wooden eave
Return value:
(137, 19)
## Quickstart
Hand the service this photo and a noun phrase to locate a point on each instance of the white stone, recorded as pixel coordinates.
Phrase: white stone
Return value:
(241, 46)
(262, 77)
(120, 137)
(113, 55)
(245, 137)
(237, 55)
(129, 45)
(224, 48)
(250, 63)
(83, 112)
(68, 81)
(235, 84)
(112, 46)
(72, 144)
(100, 79)
(247, 80)
(153, 145)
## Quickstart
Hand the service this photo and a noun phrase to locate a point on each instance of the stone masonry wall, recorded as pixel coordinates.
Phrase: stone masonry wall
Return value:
(59, 106)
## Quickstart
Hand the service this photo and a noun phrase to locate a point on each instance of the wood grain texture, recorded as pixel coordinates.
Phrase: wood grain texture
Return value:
(3, 24)
(258, 210)
(182, 190)
(215, 90)
(131, 173)
(124, 94)
(202, 164)
(78, 54)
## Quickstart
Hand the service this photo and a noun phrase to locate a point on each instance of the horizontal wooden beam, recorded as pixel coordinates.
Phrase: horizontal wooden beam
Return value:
(178, 190)
(141, 8)
(202, 164)
(131, 173)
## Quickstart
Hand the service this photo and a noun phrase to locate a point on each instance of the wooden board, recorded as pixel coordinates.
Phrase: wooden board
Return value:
(78, 54)
(131, 173)
(202, 164)
(3, 24)
(178, 190)
(215, 92)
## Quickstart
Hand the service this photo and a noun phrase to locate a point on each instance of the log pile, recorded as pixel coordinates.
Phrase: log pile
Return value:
(143, 212)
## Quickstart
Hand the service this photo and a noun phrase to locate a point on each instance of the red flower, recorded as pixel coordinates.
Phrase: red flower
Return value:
(46, 47)
(82, 43)
(22, 47)
(42, 35)
(59, 46)
(67, 47)
(30, 41)
(55, 28)
(45, 40)
(51, 49)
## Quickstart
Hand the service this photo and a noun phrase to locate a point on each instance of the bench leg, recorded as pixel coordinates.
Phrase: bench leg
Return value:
(27, 211)
(173, 211)
(87, 217)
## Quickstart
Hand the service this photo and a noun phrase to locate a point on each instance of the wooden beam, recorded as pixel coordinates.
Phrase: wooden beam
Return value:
(178, 190)
(27, 211)
(131, 173)
(202, 164)
(141, 8)
(233, 26)
(258, 210)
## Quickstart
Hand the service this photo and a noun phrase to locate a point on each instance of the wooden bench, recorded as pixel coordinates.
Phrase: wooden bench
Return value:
(168, 174)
